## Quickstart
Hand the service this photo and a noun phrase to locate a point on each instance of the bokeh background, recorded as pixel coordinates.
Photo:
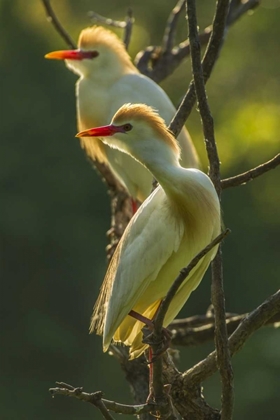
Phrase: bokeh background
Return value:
(54, 209)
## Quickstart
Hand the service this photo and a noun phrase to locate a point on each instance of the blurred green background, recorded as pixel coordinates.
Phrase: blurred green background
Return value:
(54, 209)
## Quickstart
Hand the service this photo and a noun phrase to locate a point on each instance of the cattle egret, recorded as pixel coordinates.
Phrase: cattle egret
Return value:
(108, 79)
(174, 223)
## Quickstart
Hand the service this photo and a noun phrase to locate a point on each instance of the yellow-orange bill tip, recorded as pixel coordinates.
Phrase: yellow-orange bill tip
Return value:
(58, 55)
(71, 55)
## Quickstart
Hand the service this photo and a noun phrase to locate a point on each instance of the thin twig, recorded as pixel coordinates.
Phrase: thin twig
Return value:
(206, 117)
(251, 323)
(52, 18)
(126, 24)
(197, 330)
(104, 411)
(158, 321)
(129, 21)
(170, 29)
(96, 397)
(95, 17)
(245, 177)
(211, 55)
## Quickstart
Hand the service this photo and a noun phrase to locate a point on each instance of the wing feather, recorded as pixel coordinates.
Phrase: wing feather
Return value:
(140, 255)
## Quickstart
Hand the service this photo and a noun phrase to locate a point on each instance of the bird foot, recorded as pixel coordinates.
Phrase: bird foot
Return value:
(162, 343)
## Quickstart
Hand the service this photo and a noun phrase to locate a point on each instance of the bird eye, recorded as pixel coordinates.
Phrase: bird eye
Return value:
(127, 127)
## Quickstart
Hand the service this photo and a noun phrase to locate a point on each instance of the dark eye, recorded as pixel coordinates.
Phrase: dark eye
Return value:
(127, 127)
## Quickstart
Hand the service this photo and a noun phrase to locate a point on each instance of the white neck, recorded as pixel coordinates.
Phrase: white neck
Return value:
(161, 160)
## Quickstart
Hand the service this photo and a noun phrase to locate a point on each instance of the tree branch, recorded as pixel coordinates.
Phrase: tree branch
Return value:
(245, 177)
(96, 399)
(170, 29)
(251, 323)
(158, 321)
(215, 34)
(52, 18)
(129, 21)
(217, 292)
(155, 340)
(95, 17)
(198, 330)
(161, 64)
(126, 25)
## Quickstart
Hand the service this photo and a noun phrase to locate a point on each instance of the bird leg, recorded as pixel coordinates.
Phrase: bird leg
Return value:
(135, 204)
(141, 318)
(148, 338)
(150, 325)
(163, 343)
(148, 334)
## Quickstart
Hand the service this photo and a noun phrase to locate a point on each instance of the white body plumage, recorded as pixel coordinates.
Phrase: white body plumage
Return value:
(108, 80)
(176, 222)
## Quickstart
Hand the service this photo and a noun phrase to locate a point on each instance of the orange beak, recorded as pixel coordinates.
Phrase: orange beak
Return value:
(72, 55)
(105, 131)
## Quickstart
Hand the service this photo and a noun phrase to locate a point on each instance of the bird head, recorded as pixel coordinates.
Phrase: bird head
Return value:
(138, 130)
(99, 51)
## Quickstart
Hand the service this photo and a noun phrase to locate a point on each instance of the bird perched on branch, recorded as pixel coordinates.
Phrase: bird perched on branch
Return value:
(174, 223)
(108, 79)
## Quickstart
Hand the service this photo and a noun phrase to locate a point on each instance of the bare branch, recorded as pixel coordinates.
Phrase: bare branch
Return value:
(216, 36)
(155, 339)
(136, 373)
(129, 21)
(170, 29)
(96, 399)
(52, 18)
(158, 321)
(245, 177)
(126, 24)
(251, 323)
(221, 338)
(198, 330)
(160, 65)
(209, 59)
(206, 117)
(217, 292)
(95, 17)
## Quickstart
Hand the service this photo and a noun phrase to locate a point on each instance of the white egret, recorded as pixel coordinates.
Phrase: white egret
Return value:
(173, 224)
(108, 79)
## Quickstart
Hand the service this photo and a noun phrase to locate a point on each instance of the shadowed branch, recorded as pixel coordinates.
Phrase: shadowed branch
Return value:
(155, 340)
(170, 29)
(52, 18)
(197, 330)
(245, 177)
(217, 291)
(158, 63)
(251, 323)
(96, 398)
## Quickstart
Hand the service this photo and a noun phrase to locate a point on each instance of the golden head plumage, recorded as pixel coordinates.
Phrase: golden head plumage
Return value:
(147, 114)
(97, 37)
(108, 79)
